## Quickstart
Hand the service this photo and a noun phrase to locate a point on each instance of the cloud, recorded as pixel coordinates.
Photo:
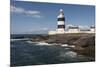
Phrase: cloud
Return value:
(82, 27)
(32, 13)
(36, 31)
(45, 29)
(39, 29)
(69, 25)
(16, 10)
(36, 16)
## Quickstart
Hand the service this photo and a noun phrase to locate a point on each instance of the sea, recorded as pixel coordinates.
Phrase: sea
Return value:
(24, 52)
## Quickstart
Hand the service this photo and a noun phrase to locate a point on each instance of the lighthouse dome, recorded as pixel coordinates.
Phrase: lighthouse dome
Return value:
(61, 10)
(61, 15)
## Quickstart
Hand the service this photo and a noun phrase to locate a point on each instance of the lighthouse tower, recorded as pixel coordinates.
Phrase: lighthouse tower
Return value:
(61, 23)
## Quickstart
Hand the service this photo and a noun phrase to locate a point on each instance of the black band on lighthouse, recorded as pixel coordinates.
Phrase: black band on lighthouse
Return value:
(61, 26)
(61, 19)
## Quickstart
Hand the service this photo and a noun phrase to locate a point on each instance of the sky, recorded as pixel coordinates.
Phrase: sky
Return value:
(39, 18)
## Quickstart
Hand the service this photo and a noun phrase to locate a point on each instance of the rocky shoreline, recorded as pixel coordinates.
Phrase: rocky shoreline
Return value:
(84, 43)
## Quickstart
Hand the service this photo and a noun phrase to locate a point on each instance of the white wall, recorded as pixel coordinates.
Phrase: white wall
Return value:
(60, 31)
(73, 30)
(93, 30)
(61, 23)
(52, 32)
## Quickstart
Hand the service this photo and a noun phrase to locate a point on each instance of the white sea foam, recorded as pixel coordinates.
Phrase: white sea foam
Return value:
(43, 43)
(72, 46)
(16, 39)
(31, 42)
(69, 54)
(64, 45)
(19, 39)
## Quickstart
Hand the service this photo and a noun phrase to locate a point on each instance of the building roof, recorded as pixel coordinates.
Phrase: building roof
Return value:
(61, 15)
(61, 10)
(92, 26)
(73, 27)
(85, 30)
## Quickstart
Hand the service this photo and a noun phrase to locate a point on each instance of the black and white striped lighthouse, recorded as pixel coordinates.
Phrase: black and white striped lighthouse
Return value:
(61, 22)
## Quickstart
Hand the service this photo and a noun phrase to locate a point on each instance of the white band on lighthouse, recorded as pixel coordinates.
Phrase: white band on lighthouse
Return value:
(60, 22)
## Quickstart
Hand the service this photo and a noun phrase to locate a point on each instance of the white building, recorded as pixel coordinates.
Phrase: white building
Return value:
(73, 29)
(92, 28)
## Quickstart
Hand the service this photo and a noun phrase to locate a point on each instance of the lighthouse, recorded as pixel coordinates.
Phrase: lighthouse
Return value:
(61, 23)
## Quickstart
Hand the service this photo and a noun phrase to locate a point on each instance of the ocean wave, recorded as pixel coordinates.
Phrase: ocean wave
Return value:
(18, 39)
(14, 39)
(31, 42)
(64, 45)
(44, 43)
(41, 43)
(69, 54)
